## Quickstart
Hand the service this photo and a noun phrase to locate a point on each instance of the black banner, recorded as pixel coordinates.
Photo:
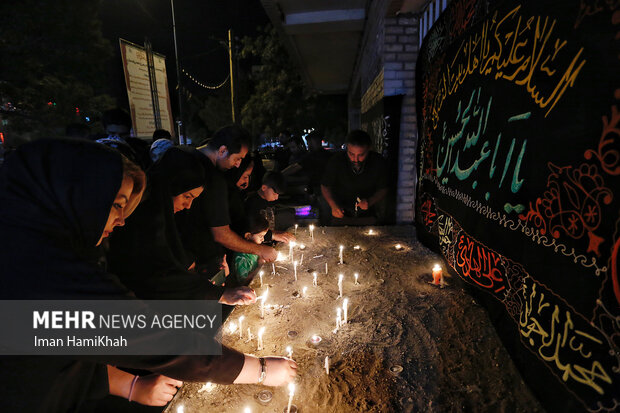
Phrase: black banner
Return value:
(518, 159)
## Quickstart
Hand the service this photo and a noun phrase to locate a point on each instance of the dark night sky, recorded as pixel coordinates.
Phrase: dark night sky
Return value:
(198, 22)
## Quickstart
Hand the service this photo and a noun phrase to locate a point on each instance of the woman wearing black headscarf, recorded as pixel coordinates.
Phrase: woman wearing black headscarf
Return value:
(58, 200)
(147, 253)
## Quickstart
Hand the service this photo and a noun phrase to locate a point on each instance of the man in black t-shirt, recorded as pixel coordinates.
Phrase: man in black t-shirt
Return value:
(205, 228)
(354, 184)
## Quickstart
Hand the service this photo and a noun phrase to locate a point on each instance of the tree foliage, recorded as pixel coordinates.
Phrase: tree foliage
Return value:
(276, 98)
(52, 51)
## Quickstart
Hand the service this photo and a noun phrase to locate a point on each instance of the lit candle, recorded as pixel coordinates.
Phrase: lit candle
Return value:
(345, 310)
(325, 268)
(273, 268)
(314, 280)
(341, 249)
(357, 247)
(327, 365)
(295, 268)
(232, 327)
(208, 386)
(260, 275)
(289, 352)
(340, 278)
(315, 339)
(302, 246)
(291, 393)
(263, 298)
(296, 225)
(303, 291)
(437, 274)
(338, 318)
(180, 409)
(261, 331)
(250, 337)
(290, 250)
(247, 410)
(241, 318)
(311, 227)
(356, 275)
(301, 261)
(370, 232)
(398, 247)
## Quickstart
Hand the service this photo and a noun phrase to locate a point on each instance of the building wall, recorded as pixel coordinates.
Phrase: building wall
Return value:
(386, 67)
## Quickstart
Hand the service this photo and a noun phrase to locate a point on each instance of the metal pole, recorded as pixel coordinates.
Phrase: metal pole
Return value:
(232, 88)
(180, 137)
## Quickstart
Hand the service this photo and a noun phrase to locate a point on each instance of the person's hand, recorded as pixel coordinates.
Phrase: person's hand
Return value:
(224, 266)
(283, 237)
(238, 296)
(279, 371)
(337, 212)
(269, 254)
(363, 204)
(155, 390)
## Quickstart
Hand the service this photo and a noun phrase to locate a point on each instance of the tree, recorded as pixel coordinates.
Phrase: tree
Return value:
(53, 53)
(276, 97)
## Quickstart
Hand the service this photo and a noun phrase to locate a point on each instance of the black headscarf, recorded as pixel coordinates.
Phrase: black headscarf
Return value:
(147, 253)
(235, 197)
(55, 198)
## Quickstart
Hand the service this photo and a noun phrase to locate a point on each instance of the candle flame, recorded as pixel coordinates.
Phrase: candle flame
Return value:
(232, 327)
(241, 318)
(180, 409)
(342, 247)
(291, 389)
(247, 410)
(303, 291)
(302, 246)
(280, 257)
(437, 267)
(345, 303)
(261, 273)
(311, 227)
(261, 331)
(398, 246)
(357, 247)
(370, 232)
(340, 278)
(293, 243)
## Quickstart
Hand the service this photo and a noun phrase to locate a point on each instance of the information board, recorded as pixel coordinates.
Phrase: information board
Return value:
(519, 189)
(139, 89)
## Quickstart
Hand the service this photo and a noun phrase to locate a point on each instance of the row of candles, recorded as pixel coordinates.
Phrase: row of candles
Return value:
(341, 313)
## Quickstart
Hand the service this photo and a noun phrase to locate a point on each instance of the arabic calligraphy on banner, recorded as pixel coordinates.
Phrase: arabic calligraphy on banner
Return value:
(519, 164)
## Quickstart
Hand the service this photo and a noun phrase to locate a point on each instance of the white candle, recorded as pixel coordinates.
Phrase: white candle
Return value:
(301, 261)
(273, 268)
(232, 327)
(356, 275)
(260, 275)
(338, 318)
(295, 268)
(341, 249)
(340, 278)
(345, 310)
(291, 393)
(327, 364)
(314, 280)
(263, 298)
(180, 409)
(296, 225)
(325, 268)
(241, 326)
(290, 250)
(357, 247)
(311, 228)
(398, 247)
(250, 337)
(303, 291)
(261, 331)
(289, 352)
(370, 232)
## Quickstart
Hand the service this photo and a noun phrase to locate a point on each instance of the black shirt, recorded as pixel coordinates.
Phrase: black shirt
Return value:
(208, 211)
(346, 185)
